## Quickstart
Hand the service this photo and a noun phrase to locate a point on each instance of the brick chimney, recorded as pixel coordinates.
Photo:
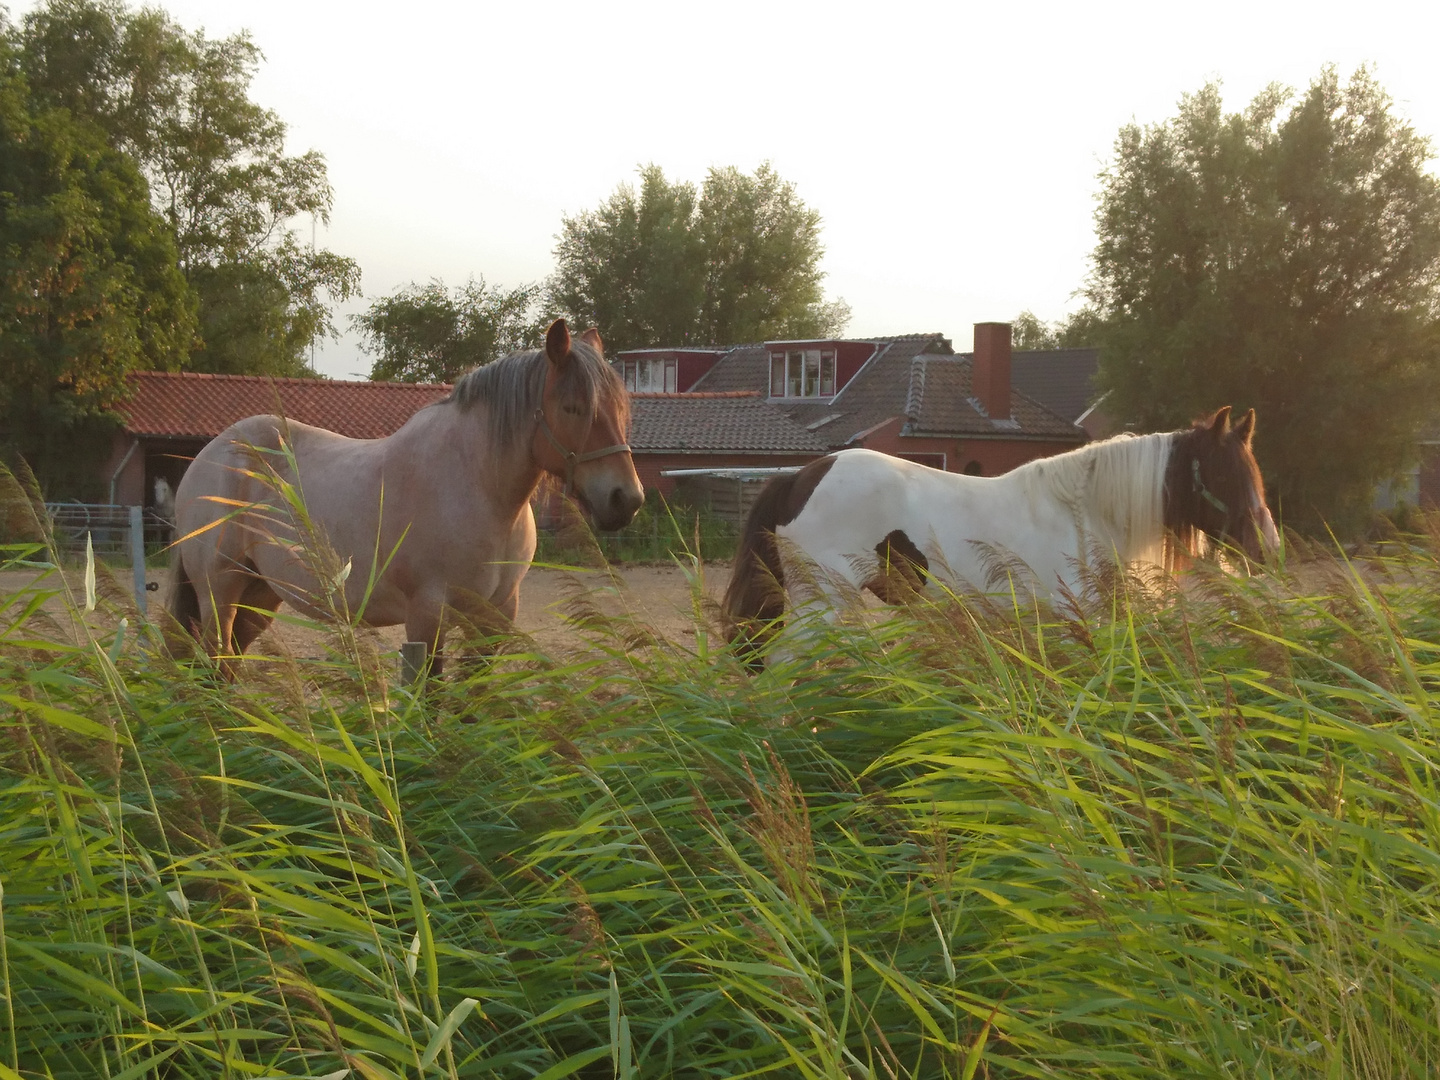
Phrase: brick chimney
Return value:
(990, 370)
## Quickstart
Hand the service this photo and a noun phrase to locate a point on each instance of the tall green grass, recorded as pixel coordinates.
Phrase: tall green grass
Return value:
(1196, 837)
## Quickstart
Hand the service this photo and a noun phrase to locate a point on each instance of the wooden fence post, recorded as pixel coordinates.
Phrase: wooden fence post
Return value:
(137, 555)
(412, 662)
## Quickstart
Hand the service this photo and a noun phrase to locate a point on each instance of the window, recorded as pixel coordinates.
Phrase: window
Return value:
(650, 375)
(802, 373)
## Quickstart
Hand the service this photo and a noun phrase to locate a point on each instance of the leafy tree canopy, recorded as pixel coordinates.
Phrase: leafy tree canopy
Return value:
(1078, 331)
(736, 260)
(1285, 257)
(428, 333)
(89, 284)
(179, 103)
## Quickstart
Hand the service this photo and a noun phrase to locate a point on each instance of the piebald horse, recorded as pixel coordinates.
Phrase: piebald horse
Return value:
(428, 526)
(859, 519)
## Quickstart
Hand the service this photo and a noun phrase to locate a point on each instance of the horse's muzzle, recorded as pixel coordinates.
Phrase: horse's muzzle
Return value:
(1262, 539)
(615, 509)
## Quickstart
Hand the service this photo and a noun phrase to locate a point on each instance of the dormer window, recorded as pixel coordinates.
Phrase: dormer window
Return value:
(802, 373)
(651, 375)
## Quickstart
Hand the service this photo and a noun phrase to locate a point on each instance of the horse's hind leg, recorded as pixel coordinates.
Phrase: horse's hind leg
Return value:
(234, 608)
(256, 611)
(217, 599)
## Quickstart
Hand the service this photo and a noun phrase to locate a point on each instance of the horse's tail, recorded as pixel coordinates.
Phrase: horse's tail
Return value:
(183, 603)
(754, 600)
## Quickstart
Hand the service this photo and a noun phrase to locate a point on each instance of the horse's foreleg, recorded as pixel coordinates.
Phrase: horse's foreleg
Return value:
(423, 623)
(487, 624)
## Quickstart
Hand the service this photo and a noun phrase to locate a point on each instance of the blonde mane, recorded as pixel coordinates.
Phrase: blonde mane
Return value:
(1116, 489)
(513, 387)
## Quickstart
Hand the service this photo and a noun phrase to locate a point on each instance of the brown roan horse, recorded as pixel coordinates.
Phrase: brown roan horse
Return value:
(430, 526)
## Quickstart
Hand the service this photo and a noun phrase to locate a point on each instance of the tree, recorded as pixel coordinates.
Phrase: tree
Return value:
(737, 260)
(1028, 331)
(427, 333)
(89, 284)
(1286, 258)
(179, 104)
(1077, 331)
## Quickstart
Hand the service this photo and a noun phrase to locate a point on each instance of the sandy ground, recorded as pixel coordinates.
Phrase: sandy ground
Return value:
(659, 596)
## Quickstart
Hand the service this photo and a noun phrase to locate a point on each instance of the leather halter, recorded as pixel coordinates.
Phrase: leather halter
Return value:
(572, 458)
(1205, 493)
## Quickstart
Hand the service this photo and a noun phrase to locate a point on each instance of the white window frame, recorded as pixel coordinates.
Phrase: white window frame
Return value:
(669, 370)
(795, 370)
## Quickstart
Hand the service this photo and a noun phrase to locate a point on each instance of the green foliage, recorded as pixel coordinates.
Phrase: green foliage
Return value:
(736, 261)
(179, 104)
(89, 288)
(1286, 258)
(1123, 840)
(1078, 331)
(427, 333)
(660, 532)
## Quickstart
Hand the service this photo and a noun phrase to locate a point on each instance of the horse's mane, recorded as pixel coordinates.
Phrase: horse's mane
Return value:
(1118, 483)
(513, 387)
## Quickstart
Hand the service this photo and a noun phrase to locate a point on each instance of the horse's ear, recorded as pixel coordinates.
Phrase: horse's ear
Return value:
(1219, 423)
(557, 342)
(591, 337)
(1245, 429)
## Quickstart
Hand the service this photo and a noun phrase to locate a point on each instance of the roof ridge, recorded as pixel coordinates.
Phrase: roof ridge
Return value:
(915, 396)
(288, 379)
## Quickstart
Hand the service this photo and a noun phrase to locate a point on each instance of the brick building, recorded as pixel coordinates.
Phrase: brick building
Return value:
(911, 396)
(761, 406)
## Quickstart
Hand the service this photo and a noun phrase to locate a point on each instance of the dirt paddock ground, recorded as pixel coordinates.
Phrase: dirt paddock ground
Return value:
(660, 596)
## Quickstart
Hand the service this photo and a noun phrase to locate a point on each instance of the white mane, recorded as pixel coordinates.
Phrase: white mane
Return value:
(1116, 488)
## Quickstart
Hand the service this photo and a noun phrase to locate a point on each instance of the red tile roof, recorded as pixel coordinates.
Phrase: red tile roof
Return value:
(942, 402)
(192, 405)
(715, 422)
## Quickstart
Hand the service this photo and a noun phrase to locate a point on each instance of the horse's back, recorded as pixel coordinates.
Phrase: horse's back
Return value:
(863, 498)
(966, 527)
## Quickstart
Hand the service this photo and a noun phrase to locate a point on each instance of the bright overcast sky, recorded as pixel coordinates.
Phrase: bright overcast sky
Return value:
(951, 148)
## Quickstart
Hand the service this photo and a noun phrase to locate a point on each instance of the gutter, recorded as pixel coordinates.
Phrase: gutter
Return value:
(997, 436)
(115, 476)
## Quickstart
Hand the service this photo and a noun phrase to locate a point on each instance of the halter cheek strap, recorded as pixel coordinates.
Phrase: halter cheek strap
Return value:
(1205, 493)
(572, 458)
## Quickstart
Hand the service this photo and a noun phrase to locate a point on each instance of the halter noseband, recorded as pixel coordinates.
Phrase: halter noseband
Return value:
(571, 457)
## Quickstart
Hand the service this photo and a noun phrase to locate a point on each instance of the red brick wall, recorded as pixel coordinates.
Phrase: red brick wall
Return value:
(850, 357)
(129, 484)
(995, 456)
(690, 366)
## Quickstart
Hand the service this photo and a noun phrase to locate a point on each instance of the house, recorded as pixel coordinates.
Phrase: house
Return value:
(910, 395)
(751, 407)
(713, 429)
